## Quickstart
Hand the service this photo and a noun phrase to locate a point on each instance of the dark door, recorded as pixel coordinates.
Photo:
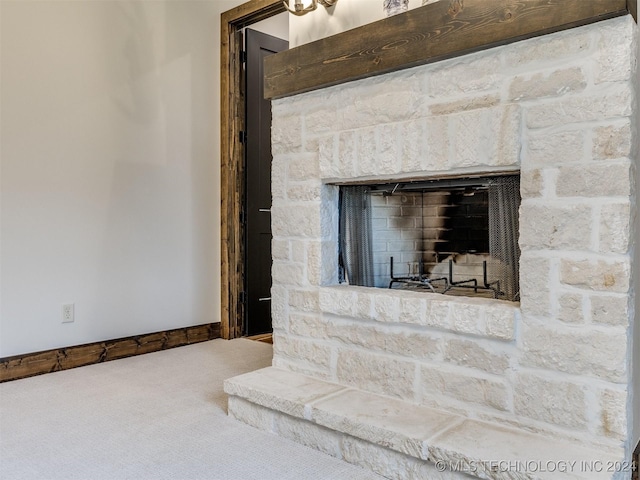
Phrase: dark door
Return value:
(258, 184)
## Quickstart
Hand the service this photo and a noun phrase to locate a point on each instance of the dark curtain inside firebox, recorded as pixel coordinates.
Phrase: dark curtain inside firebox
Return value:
(356, 251)
(504, 203)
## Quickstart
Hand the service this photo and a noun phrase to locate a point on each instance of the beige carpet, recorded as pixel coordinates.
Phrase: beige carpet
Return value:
(156, 416)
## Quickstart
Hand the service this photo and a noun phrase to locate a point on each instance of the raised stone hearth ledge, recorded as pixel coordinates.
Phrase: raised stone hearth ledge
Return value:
(398, 439)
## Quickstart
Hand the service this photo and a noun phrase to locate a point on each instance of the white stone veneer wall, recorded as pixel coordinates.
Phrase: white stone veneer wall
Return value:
(634, 413)
(559, 108)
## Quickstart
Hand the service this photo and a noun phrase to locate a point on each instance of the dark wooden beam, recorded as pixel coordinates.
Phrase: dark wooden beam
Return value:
(426, 34)
(632, 5)
(30, 364)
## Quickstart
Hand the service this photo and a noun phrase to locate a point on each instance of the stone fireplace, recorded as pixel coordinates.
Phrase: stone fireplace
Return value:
(399, 380)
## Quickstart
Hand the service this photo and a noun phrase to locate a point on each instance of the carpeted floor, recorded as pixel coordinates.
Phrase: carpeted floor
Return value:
(156, 416)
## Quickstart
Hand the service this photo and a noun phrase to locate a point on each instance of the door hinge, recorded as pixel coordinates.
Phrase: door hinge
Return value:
(242, 298)
(243, 56)
(242, 135)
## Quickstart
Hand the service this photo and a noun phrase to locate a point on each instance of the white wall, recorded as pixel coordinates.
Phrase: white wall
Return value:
(276, 26)
(110, 169)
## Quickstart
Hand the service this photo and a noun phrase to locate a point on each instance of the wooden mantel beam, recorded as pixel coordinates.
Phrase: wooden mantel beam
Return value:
(426, 34)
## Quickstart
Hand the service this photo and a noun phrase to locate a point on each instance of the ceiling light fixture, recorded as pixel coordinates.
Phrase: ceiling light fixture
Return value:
(299, 9)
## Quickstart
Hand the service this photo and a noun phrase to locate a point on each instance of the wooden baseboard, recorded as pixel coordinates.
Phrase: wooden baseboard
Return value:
(30, 364)
(264, 337)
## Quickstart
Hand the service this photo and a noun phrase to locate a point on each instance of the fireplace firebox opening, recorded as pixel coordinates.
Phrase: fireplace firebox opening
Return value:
(456, 236)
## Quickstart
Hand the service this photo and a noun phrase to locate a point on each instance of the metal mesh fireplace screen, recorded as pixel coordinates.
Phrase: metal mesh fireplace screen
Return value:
(455, 236)
(504, 252)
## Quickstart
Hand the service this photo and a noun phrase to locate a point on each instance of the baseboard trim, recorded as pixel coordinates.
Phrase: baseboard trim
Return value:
(31, 364)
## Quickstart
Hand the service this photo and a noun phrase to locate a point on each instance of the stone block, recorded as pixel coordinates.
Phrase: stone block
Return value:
(467, 318)
(390, 101)
(613, 414)
(610, 310)
(579, 351)
(366, 146)
(391, 464)
(329, 214)
(476, 443)
(322, 262)
(535, 282)
(509, 141)
(471, 74)
(310, 351)
(551, 149)
(614, 103)
(388, 149)
(295, 220)
(598, 275)
(412, 344)
(554, 401)
(561, 46)
(278, 178)
(413, 138)
(327, 155)
(279, 390)
(438, 312)
(571, 308)
(298, 250)
(473, 141)
(286, 273)
(303, 167)
(531, 183)
(500, 321)
(437, 141)
(614, 57)
(347, 158)
(302, 368)
(338, 300)
(308, 434)
(323, 118)
(364, 304)
(486, 357)
(555, 227)
(413, 308)
(254, 415)
(280, 250)
(376, 373)
(595, 180)
(279, 307)
(489, 136)
(386, 306)
(548, 84)
(467, 103)
(286, 134)
(311, 326)
(303, 191)
(615, 228)
(466, 387)
(612, 141)
(302, 300)
(380, 420)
